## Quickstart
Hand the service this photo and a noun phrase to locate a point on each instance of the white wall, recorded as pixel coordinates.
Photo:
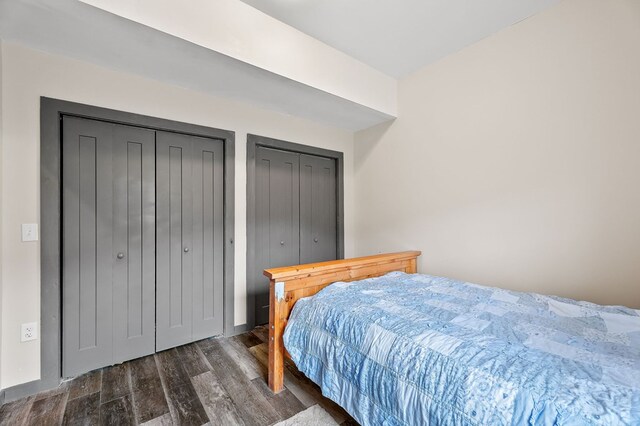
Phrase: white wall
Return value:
(516, 162)
(27, 75)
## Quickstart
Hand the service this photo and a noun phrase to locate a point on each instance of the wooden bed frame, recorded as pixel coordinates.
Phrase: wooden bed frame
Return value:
(290, 283)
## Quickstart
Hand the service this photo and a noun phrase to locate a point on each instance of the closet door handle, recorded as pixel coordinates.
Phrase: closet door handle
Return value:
(315, 240)
(120, 255)
(281, 243)
(186, 249)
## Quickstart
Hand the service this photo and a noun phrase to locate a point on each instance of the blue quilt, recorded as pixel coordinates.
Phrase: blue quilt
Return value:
(421, 350)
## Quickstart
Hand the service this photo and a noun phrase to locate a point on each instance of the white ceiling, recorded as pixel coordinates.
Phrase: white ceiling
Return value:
(399, 37)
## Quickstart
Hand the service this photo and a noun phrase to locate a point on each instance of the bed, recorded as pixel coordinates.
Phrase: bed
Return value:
(394, 347)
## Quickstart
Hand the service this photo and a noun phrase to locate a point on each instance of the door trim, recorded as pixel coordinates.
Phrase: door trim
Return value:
(255, 141)
(51, 112)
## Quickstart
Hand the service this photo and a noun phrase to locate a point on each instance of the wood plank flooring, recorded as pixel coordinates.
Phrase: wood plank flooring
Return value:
(213, 381)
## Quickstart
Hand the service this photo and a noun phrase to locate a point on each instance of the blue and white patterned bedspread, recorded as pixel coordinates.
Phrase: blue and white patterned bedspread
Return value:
(420, 350)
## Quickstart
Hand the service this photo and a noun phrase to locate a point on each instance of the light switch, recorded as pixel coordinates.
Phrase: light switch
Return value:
(29, 232)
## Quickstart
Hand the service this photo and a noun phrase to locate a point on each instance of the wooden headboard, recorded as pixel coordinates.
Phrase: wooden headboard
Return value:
(290, 283)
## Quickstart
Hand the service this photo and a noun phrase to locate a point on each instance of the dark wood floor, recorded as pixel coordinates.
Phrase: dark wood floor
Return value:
(215, 381)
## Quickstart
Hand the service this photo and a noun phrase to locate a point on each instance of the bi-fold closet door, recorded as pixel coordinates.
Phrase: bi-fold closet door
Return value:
(295, 214)
(127, 190)
(190, 239)
(108, 244)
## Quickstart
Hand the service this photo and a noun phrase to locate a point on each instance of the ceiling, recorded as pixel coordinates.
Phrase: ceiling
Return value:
(399, 37)
(396, 37)
(74, 29)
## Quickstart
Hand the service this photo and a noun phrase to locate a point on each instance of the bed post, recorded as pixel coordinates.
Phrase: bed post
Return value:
(413, 266)
(276, 330)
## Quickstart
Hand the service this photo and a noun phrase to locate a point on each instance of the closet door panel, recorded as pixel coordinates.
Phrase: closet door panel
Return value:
(277, 219)
(318, 227)
(174, 240)
(208, 237)
(87, 245)
(134, 242)
(142, 243)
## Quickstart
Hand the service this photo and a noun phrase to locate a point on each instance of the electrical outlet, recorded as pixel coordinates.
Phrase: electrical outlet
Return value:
(29, 331)
(29, 232)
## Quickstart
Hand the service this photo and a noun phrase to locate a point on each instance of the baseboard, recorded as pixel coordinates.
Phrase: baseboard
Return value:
(239, 329)
(26, 389)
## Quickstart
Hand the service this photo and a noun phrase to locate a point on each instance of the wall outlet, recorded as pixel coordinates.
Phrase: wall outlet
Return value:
(29, 232)
(29, 331)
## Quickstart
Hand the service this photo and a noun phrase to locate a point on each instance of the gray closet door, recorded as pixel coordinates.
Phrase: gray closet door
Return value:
(174, 236)
(277, 219)
(189, 239)
(318, 227)
(134, 211)
(87, 245)
(208, 237)
(108, 175)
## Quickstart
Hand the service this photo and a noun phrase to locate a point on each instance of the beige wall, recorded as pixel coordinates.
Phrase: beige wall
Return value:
(516, 162)
(27, 75)
(1, 127)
